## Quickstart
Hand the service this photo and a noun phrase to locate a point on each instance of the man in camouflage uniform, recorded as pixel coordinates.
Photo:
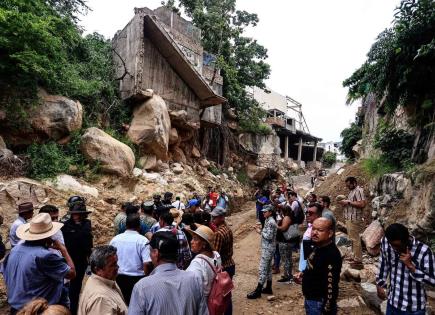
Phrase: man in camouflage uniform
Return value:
(268, 246)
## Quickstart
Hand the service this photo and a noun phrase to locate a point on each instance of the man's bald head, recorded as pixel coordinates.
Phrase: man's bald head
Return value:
(322, 231)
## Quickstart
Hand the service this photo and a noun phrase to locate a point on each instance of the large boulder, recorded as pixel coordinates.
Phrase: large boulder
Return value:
(178, 155)
(55, 117)
(256, 173)
(148, 162)
(150, 127)
(114, 156)
(372, 237)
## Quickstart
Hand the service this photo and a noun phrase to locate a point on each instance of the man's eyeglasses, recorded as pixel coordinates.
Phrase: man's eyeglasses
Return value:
(310, 212)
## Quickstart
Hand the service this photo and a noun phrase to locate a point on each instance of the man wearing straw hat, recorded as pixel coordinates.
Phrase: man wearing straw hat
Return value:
(32, 270)
(25, 212)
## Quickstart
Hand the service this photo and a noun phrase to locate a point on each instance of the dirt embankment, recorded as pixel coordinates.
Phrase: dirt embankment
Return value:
(334, 185)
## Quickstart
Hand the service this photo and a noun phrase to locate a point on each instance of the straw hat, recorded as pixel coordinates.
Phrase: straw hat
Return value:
(205, 233)
(40, 227)
(176, 214)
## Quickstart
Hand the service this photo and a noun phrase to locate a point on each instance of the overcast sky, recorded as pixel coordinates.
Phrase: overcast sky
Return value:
(313, 45)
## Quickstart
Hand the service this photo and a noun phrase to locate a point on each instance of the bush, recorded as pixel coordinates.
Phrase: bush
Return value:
(242, 177)
(395, 144)
(214, 170)
(329, 159)
(377, 166)
(47, 160)
(350, 137)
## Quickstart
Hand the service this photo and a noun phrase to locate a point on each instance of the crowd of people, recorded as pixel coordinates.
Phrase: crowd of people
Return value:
(290, 223)
(164, 258)
(172, 257)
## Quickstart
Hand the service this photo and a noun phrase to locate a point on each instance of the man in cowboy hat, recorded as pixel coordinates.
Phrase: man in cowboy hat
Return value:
(32, 270)
(25, 212)
(77, 233)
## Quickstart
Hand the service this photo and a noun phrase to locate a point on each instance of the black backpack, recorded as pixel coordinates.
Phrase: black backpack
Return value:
(298, 215)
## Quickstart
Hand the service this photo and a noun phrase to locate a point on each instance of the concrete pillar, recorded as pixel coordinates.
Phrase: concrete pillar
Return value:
(286, 145)
(300, 150)
(315, 152)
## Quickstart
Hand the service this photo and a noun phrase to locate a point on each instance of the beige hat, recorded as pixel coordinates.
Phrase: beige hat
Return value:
(176, 214)
(205, 233)
(40, 227)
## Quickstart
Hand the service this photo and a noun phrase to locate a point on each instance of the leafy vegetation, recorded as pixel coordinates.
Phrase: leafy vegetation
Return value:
(41, 46)
(242, 177)
(329, 159)
(350, 137)
(377, 166)
(240, 59)
(399, 68)
(395, 145)
(47, 160)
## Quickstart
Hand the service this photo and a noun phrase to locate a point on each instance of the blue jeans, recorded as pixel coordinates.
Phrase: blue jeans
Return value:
(391, 310)
(313, 307)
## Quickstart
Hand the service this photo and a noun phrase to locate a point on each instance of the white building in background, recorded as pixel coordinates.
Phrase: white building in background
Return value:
(333, 147)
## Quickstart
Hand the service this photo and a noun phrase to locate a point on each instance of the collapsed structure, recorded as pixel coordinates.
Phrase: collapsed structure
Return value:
(160, 53)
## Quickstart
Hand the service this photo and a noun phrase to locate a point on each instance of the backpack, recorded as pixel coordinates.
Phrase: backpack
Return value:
(299, 215)
(220, 293)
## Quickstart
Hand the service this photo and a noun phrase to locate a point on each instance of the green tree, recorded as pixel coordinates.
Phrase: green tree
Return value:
(329, 159)
(41, 46)
(350, 137)
(400, 66)
(240, 59)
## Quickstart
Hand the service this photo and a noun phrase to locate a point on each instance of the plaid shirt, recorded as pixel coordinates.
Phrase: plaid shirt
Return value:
(406, 291)
(184, 254)
(353, 213)
(223, 244)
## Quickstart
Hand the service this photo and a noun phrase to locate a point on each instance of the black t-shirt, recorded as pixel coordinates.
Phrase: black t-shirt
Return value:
(322, 275)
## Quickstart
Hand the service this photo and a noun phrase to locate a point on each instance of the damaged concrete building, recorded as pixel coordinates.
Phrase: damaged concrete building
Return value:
(160, 50)
(285, 116)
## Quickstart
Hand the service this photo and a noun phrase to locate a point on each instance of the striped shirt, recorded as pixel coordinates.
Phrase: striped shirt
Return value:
(406, 291)
(223, 244)
(353, 213)
(169, 291)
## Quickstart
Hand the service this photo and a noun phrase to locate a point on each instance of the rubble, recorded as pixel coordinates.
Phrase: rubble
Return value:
(68, 183)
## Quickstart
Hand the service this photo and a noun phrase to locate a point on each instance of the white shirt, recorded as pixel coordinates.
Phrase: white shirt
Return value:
(203, 270)
(13, 238)
(133, 250)
(179, 205)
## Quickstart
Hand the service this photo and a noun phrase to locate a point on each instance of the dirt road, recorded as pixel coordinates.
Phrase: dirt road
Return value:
(288, 298)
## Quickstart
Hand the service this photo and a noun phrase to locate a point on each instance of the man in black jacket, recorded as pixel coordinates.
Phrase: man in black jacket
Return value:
(77, 233)
(321, 277)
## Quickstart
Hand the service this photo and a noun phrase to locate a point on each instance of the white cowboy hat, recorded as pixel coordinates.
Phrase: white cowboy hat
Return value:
(40, 227)
(205, 233)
